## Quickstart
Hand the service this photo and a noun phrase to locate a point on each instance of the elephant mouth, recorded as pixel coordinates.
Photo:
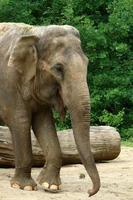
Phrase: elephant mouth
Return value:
(59, 106)
(55, 102)
(39, 100)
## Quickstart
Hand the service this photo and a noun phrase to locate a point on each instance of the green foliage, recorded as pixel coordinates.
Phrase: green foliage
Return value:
(60, 124)
(127, 134)
(128, 143)
(106, 29)
(108, 118)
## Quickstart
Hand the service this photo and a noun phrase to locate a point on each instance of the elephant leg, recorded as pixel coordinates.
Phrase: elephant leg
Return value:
(44, 129)
(21, 137)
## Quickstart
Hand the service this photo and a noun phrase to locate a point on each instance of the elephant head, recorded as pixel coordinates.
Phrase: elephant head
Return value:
(53, 62)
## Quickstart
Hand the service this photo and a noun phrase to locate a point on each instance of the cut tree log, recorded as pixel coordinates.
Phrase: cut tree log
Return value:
(105, 145)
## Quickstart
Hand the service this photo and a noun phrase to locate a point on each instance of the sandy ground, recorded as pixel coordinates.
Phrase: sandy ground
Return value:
(116, 178)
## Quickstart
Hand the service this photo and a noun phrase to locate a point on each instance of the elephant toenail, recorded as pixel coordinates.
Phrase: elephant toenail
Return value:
(60, 187)
(35, 188)
(54, 187)
(45, 185)
(28, 188)
(15, 185)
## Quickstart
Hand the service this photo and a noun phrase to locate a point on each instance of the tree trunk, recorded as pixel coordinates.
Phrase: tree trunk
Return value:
(105, 145)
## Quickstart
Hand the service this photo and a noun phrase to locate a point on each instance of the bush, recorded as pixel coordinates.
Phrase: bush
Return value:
(106, 29)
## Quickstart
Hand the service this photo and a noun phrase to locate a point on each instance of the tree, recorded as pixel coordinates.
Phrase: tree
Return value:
(106, 31)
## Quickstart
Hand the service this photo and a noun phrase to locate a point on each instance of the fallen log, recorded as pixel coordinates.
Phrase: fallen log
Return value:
(105, 145)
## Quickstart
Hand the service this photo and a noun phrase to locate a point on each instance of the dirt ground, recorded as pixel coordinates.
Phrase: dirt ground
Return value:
(116, 178)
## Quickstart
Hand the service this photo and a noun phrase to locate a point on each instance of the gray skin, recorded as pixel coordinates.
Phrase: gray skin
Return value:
(44, 68)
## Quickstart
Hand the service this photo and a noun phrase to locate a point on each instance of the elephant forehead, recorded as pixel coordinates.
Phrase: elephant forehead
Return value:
(75, 56)
(59, 29)
(67, 28)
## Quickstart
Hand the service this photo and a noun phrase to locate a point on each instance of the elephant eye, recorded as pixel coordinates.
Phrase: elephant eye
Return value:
(58, 69)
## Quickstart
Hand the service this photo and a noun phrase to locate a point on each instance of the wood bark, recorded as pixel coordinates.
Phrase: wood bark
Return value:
(105, 145)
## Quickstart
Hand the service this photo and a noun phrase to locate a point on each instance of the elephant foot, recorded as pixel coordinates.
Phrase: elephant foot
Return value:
(49, 179)
(23, 183)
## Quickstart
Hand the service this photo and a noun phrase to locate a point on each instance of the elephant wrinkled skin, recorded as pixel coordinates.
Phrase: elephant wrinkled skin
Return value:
(44, 68)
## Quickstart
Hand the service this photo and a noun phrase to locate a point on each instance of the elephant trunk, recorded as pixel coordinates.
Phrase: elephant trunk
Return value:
(79, 108)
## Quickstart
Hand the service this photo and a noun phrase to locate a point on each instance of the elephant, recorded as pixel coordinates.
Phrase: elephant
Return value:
(43, 68)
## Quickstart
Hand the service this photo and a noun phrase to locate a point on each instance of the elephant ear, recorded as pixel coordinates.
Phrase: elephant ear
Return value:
(23, 57)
